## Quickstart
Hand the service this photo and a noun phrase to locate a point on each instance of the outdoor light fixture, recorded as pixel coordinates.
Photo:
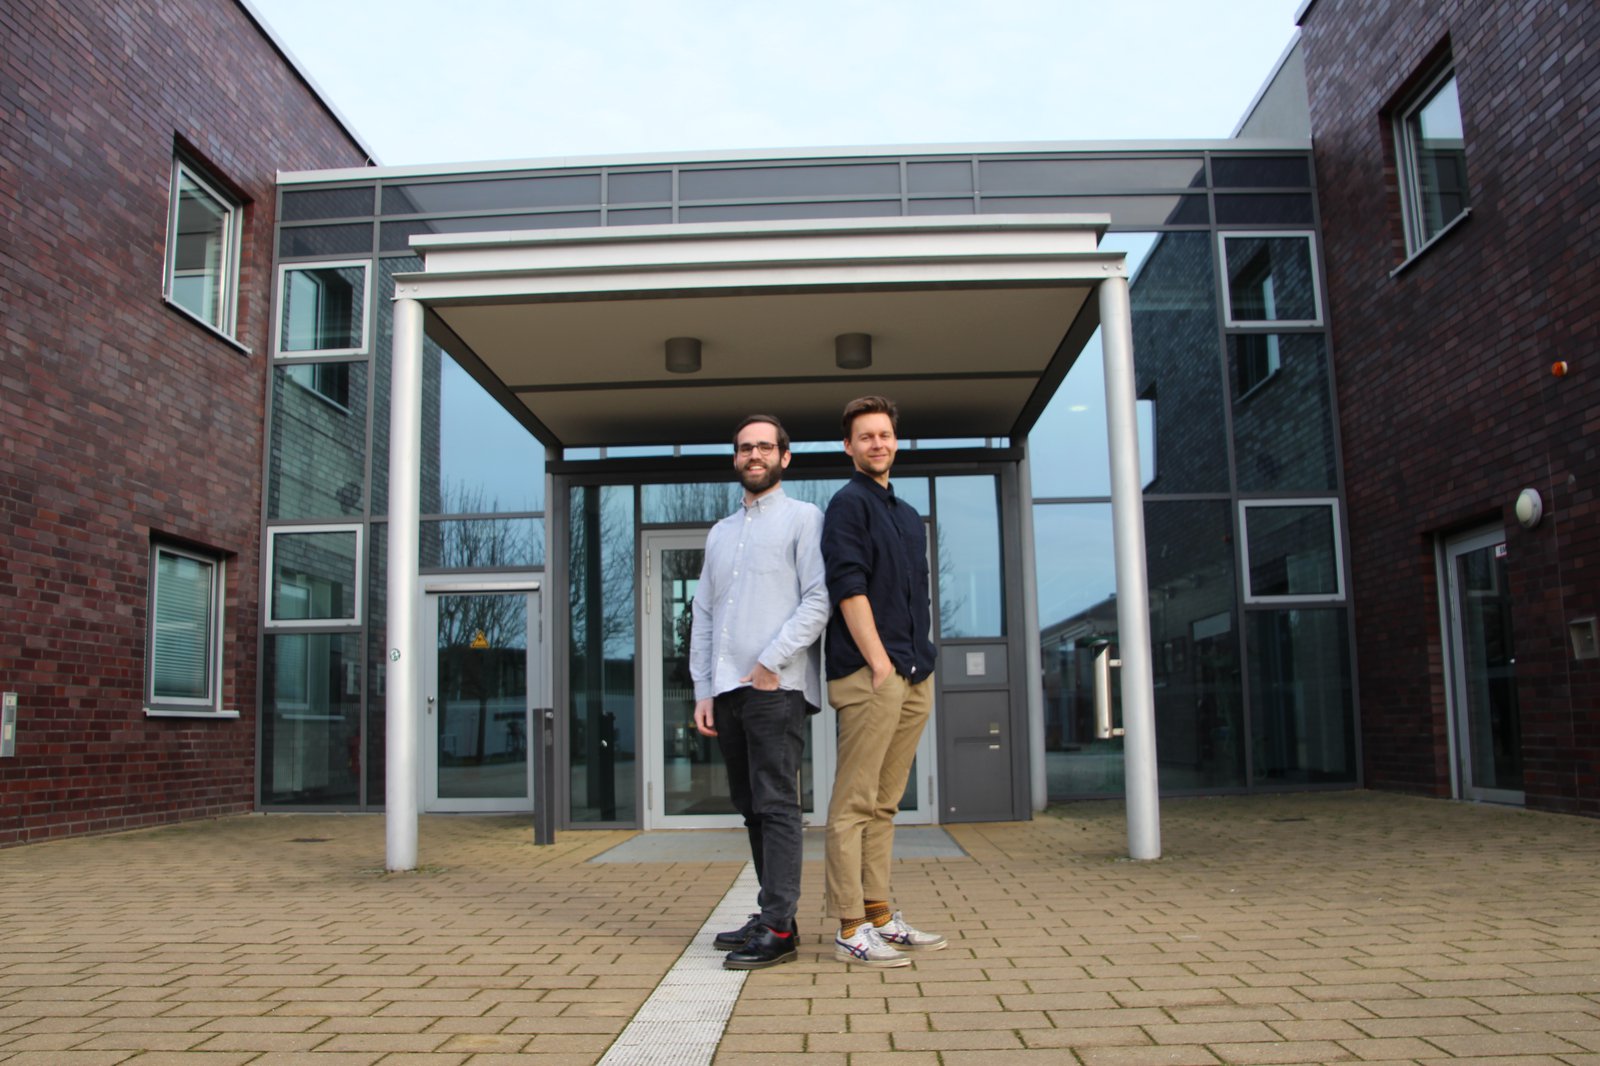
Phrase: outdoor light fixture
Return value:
(683, 354)
(853, 351)
(1529, 508)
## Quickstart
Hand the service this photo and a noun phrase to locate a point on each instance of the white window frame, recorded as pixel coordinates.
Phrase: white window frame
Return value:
(1413, 211)
(227, 297)
(270, 570)
(209, 705)
(1269, 325)
(1332, 505)
(284, 270)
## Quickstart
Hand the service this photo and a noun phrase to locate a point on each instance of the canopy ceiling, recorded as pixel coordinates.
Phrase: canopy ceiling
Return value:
(970, 320)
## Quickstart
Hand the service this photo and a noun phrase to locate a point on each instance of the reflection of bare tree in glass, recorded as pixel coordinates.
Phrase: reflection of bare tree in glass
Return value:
(951, 601)
(473, 628)
(600, 607)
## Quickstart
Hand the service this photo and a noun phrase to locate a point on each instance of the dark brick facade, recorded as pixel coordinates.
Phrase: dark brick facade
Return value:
(122, 418)
(1448, 406)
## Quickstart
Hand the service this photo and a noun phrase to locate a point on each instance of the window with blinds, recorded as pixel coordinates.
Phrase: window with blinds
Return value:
(185, 621)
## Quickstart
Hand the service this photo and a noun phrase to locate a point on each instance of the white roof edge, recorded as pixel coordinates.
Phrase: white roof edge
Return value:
(757, 229)
(311, 83)
(784, 155)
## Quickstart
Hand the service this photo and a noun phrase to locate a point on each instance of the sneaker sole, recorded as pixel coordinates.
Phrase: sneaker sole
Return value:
(940, 946)
(879, 964)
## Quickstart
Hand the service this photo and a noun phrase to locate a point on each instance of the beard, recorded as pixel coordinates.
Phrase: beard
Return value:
(756, 482)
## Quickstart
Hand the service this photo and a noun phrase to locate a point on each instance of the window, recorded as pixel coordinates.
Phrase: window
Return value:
(1291, 550)
(323, 309)
(1257, 358)
(202, 269)
(1272, 280)
(1431, 149)
(315, 576)
(184, 672)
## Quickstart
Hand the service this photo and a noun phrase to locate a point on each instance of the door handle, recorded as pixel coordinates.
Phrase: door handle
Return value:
(1103, 662)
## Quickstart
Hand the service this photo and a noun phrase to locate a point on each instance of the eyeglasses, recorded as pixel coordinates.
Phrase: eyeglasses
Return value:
(760, 447)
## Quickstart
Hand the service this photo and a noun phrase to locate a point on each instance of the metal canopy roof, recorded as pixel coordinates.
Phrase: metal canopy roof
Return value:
(969, 318)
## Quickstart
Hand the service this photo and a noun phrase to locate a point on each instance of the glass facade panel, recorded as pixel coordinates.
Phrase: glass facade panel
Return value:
(311, 719)
(639, 216)
(323, 309)
(314, 575)
(1075, 567)
(971, 601)
(758, 212)
(651, 187)
(311, 204)
(602, 747)
(938, 177)
(317, 464)
(1301, 721)
(487, 461)
(325, 242)
(692, 503)
(1178, 364)
(1132, 212)
(377, 612)
(765, 183)
(1271, 279)
(942, 207)
(1262, 172)
(482, 544)
(481, 716)
(1065, 176)
(396, 236)
(820, 490)
(1194, 645)
(1293, 549)
(495, 194)
(433, 359)
(1282, 412)
(1282, 209)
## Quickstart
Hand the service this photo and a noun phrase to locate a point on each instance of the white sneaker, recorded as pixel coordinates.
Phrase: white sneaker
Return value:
(897, 934)
(866, 948)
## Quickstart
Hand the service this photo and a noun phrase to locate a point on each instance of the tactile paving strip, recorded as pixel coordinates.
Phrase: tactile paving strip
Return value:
(681, 1023)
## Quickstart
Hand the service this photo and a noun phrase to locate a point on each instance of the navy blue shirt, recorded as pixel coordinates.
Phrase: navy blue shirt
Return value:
(873, 545)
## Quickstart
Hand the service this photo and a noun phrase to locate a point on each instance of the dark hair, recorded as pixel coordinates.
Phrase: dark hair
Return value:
(783, 434)
(870, 405)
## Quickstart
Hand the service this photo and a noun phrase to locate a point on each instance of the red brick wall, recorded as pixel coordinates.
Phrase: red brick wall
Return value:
(120, 417)
(1447, 405)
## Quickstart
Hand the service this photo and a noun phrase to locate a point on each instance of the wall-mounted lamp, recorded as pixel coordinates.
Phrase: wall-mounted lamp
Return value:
(853, 351)
(1529, 508)
(683, 354)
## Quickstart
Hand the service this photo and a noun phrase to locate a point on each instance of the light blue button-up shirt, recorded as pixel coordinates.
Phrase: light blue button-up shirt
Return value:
(762, 597)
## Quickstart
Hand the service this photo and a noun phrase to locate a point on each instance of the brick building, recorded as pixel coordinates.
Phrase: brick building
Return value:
(1344, 323)
(1457, 148)
(141, 142)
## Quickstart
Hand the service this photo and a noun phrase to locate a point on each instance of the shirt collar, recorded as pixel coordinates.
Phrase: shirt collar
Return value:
(883, 492)
(765, 500)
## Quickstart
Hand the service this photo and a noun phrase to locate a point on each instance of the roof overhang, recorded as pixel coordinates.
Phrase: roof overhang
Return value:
(974, 321)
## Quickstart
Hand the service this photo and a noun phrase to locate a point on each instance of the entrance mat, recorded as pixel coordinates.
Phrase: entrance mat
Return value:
(732, 845)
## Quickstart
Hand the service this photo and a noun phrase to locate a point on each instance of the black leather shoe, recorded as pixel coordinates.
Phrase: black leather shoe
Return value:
(735, 938)
(764, 948)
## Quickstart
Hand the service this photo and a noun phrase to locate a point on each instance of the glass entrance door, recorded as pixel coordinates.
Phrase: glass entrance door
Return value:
(1483, 705)
(685, 783)
(479, 691)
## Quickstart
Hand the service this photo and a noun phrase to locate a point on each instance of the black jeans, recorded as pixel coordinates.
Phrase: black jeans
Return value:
(762, 735)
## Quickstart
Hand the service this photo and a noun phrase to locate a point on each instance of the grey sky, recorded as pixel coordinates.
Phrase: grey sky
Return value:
(424, 81)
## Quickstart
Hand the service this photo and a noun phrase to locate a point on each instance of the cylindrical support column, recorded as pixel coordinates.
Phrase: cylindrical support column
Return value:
(1133, 597)
(1037, 767)
(402, 727)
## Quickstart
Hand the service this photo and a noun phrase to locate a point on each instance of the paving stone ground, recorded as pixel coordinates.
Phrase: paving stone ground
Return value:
(1332, 927)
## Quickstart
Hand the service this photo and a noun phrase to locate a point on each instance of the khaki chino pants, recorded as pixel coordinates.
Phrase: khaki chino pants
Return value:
(878, 734)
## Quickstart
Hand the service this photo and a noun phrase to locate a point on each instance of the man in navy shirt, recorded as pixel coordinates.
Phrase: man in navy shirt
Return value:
(880, 658)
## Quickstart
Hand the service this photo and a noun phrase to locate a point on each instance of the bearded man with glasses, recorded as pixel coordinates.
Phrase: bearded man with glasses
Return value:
(759, 611)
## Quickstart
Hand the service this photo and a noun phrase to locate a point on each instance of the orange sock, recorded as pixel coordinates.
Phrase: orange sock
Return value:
(848, 926)
(878, 911)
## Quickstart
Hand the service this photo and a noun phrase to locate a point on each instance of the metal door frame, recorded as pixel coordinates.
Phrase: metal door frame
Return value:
(530, 584)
